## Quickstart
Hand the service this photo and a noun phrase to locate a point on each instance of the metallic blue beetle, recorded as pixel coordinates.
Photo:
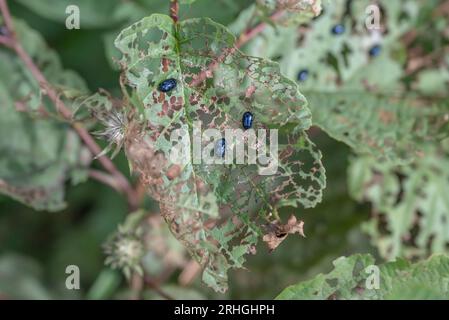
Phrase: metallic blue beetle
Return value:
(338, 29)
(167, 85)
(303, 75)
(375, 50)
(247, 120)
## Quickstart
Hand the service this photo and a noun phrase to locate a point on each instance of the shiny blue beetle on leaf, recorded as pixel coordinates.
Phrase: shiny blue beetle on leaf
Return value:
(303, 75)
(338, 29)
(375, 50)
(247, 120)
(167, 85)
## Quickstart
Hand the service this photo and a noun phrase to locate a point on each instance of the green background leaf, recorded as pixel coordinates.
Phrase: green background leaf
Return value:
(40, 154)
(350, 279)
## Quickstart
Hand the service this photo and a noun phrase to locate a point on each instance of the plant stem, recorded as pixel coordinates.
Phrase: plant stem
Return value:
(7, 17)
(104, 178)
(136, 286)
(155, 286)
(174, 10)
(251, 33)
(5, 41)
(13, 43)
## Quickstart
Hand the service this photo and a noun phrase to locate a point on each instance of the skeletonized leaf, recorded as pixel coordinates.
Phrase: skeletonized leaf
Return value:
(411, 204)
(217, 211)
(356, 97)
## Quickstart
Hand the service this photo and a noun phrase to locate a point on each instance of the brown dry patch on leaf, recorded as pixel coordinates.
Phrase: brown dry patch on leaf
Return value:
(278, 232)
(28, 194)
(141, 151)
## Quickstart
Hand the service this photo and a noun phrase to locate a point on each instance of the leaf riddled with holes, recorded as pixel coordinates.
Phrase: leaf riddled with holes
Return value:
(357, 97)
(352, 77)
(410, 202)
(218, 211)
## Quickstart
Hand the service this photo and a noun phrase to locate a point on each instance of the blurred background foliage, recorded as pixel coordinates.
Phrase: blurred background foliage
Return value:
(36, 247)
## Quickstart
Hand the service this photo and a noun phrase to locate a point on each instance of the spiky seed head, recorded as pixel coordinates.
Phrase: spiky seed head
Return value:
(124, 251)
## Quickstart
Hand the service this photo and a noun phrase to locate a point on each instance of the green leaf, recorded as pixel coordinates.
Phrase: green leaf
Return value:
(21, 278)
(155, 49)
(93, 14)
(352, 278)
(411, 205)
(395, 129)
(41, 152)
(358, 99)
(433, 82)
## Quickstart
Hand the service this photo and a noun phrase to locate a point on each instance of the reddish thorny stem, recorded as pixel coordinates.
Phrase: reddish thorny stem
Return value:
(174, 10)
